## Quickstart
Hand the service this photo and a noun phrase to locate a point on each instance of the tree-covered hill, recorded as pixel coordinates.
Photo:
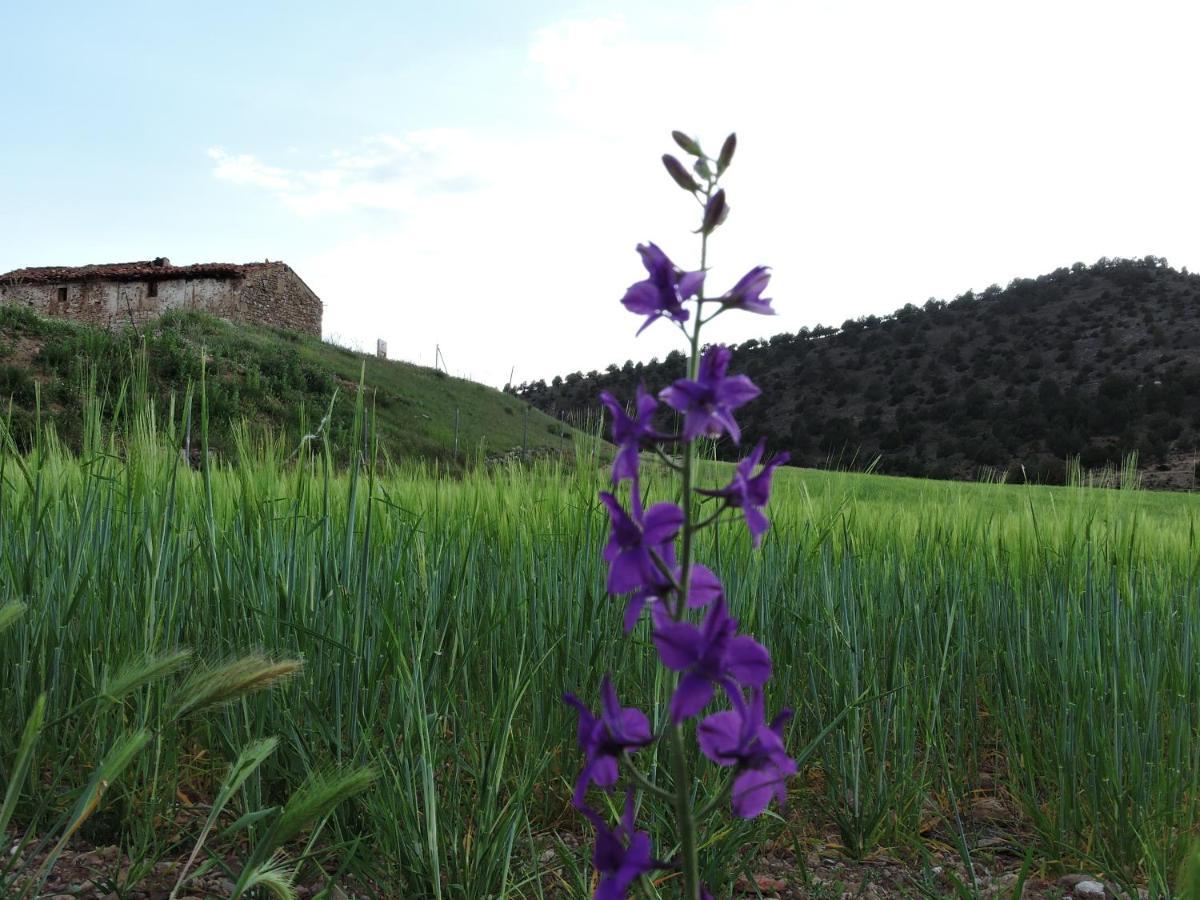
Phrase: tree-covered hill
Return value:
(1095, 362)
(51, 368)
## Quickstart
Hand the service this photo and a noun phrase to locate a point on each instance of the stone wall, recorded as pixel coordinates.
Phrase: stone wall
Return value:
(276, 296)
(265, 295)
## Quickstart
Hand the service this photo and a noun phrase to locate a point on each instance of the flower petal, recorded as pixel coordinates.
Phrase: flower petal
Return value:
(705, 587)
(603, 771)
(748, 661)
(719, 736)
(661, 523)
(756, 522)
(735, 391)
(634, 727)
(633, 609)
(642, 298)
(690, 284)
(752, 792)
(678, 644)
(693, 694)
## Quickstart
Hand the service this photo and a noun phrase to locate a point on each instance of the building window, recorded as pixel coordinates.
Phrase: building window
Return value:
(62, 295)
(152, 289)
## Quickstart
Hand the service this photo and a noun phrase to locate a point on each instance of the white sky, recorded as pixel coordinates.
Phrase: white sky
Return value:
(889, 152)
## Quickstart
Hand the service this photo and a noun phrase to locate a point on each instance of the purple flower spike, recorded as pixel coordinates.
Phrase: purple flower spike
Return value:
(709, 655)
(739, 737)
(604, 738)
(631, 434)
(747, 293)
(631, 565)
(622, 854)
(749, 492)
(708, 402)
(663, 293)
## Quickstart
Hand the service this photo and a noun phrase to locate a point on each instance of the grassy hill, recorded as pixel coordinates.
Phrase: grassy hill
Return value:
(1093, 362)
(260, 376)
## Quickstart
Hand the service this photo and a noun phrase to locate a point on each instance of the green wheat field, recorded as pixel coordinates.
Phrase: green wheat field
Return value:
(1039, 646)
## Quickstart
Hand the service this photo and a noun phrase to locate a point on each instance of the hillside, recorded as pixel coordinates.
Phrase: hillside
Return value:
(1095, 362)
(262, 376)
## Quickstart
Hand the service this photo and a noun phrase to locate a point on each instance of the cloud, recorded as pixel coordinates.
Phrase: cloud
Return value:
(386, 172)
(888, 152)
(245, 169)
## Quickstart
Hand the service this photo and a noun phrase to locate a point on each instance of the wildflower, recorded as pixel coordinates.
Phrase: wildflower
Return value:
(747, 293)
(635, 540)
(605, 737)
(631, 433)
(622, 854)
(708, 655)
(708, 402)
(739, 737)
(749, 492)
(663, 293)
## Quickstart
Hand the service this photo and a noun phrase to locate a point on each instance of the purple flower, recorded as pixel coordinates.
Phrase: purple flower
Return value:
(739, 737)
(663, 293)
(747, 293)
(631, 434)
(708, 655)
(750, 492)
(708, 403)
(604, 738)
(634, 543)
(703, 589)
(635, 540)
(622, 854)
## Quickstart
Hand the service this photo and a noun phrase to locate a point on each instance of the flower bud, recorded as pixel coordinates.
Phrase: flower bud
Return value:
(702, 169)
(681, 176)
(715, 212)
(726, 155)
(689, 145)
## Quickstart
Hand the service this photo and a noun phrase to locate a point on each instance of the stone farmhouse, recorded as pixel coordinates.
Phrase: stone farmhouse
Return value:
(134, 293)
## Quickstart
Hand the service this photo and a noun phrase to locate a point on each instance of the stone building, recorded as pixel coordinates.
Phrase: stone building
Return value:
(119, 294)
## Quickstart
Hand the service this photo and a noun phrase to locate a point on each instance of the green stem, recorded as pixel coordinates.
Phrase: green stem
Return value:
(689, 447)
(685, 820)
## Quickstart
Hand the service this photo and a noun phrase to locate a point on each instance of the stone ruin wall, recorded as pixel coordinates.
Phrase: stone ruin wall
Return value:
(277, 297)
(273, 296)
(114, 304)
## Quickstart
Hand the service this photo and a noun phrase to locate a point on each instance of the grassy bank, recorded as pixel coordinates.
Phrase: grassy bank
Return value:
(54, 372)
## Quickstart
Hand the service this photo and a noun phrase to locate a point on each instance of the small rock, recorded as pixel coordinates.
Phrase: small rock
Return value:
(1069, 881)
(1092, 889)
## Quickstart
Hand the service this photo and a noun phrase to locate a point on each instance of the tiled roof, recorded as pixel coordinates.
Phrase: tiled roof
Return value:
(132, 271)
